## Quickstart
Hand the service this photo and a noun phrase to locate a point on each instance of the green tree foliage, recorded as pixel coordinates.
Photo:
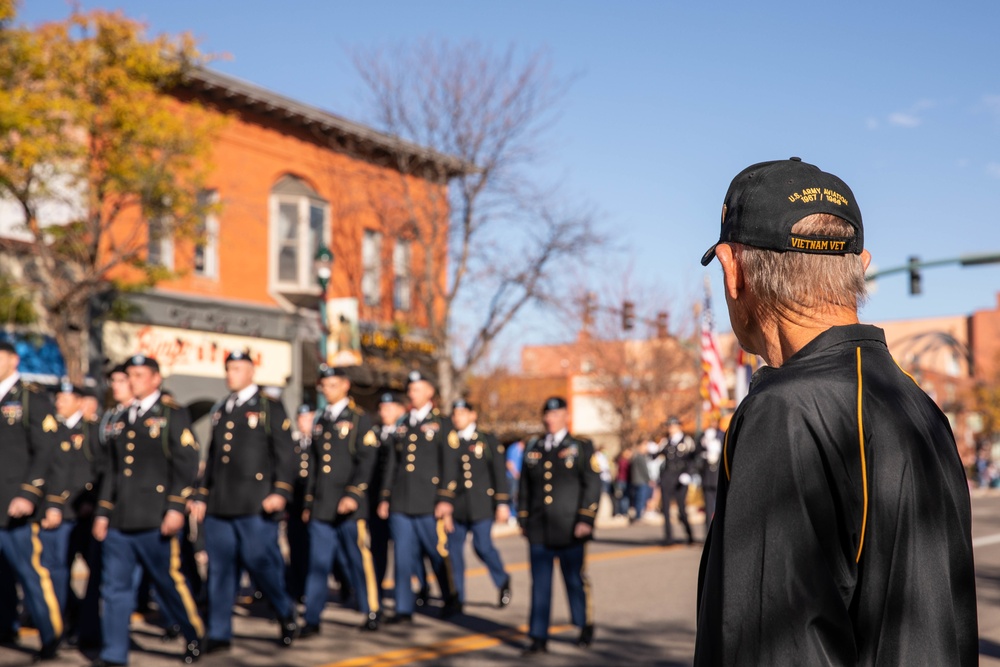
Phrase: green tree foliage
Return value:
(92, 149)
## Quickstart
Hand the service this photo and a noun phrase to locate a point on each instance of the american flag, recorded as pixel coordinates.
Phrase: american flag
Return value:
(713, 382)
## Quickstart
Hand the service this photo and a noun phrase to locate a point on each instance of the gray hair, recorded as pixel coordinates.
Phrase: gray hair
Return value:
(796, 281)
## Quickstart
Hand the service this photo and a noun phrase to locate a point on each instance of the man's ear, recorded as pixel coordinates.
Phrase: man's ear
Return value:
(732, 272)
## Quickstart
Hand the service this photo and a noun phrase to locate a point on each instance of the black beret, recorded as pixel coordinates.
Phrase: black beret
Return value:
(239, 355)
(118, 368)
(7, 347)
(326, 371)
(462, 403)
(419, 376)
(554, 403)
(390, 397)
(143, 360)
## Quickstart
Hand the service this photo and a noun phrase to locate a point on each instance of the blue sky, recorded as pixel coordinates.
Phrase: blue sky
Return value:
(672, 99)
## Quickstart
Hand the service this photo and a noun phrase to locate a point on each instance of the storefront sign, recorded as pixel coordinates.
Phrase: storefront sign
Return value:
(197, 353)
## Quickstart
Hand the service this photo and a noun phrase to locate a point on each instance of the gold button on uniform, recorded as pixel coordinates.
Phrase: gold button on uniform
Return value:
(228, 436)
(468, 475)
(131, 434)
(304, 464)
(303, 473)
(326, 447)
(548, 500)
(410, 467)
(411, 448)
(411, 457)
(130, 460)
(548, 464)
(159, 488)
(128, 472)
(548, 475)
(225, 459)
(326, 458)
(259, 476)
(326, 468)
(548, 487)
(230, 424)
(130, 446)
(468, 484)
(434, 480)
(413, 437)
(226, 448)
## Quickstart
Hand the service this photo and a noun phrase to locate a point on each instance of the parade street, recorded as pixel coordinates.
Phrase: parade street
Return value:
(644, 605)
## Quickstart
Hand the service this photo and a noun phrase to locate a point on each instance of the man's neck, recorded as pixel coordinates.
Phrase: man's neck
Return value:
(784, 335)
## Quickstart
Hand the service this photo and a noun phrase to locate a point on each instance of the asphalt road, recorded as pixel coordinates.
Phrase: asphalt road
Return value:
(644, 600)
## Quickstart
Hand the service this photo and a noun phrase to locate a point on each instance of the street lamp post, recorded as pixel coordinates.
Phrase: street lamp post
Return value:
(323, 266)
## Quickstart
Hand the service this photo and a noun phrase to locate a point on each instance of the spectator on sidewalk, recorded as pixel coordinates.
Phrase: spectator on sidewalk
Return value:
(623, 485)
(639, 478)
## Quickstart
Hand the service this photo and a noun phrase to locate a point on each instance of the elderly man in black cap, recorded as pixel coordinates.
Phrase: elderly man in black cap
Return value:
(28, 432)
(247, 484)
(341, 457)
(842, 532)
(559, 494)
(152, 466)
(481, 498)
(417, 496)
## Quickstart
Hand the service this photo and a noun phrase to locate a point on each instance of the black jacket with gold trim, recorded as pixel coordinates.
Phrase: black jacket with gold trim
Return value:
(422, 468)
(843, 529)
(341, 459)
(27, 441)
(152, 465)
(559, 488)
(251, 456)
(482, 481)
(81, 455)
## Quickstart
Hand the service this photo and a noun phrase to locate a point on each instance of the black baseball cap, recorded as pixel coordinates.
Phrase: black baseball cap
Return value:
(765, 200)
(554, 403)
(143, 360)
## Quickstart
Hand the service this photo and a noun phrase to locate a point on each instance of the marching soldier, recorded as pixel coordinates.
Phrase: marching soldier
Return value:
(152, 463)
(559, 493)
(247, 483)
(679, 454)
(298, 531)
(28, 433)
(481, 497)
(419, 487)
(80, 455)
(343, 453)
(390, 410)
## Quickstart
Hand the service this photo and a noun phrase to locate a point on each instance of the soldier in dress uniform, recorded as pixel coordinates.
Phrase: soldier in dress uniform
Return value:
(81, 456)
(28, 434)
(418, 493)
(391, 408)
(481, 497)
(710, 454)
(247, 483)
(679, 456)
(152, 465)
(559, 493)
(341, 459)
(298, 531)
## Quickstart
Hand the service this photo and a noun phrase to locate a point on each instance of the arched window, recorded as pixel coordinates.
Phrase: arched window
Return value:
(299, 224)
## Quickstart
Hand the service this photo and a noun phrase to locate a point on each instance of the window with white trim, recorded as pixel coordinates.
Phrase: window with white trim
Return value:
(402, 278)
(206, 249)
(299, 224)
(371, 267)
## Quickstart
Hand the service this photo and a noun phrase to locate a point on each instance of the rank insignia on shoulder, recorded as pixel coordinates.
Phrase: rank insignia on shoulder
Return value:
(187, 440)
(286, 425)
(370, 439)
(453, 440)
(49, 424)
(595, 465)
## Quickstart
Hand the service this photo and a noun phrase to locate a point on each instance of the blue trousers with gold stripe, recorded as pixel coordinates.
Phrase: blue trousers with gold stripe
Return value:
(21, 545)
(482, 544)
(253, 542)
(55, 558)
(414, 537)
(577, 587)
(160, 557)
(348, 541)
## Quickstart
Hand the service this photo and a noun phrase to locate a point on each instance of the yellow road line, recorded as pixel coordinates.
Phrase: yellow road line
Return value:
(477, 642)
(441, 649)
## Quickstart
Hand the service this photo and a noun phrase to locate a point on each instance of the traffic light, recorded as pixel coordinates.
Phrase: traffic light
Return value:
(915, 275)
(628, 315)
(661, 324)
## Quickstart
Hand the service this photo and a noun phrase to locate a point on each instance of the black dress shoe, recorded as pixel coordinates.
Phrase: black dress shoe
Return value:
(9, 638)
(535, 647)
(586, 636)
(505, 594)
(371, 623)
(400, 619)
(289, 630)
(423, 597)
(192, 652)
(49, 651)
(171, 633)
(452, 607)
(216, 645)
(308, 630)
